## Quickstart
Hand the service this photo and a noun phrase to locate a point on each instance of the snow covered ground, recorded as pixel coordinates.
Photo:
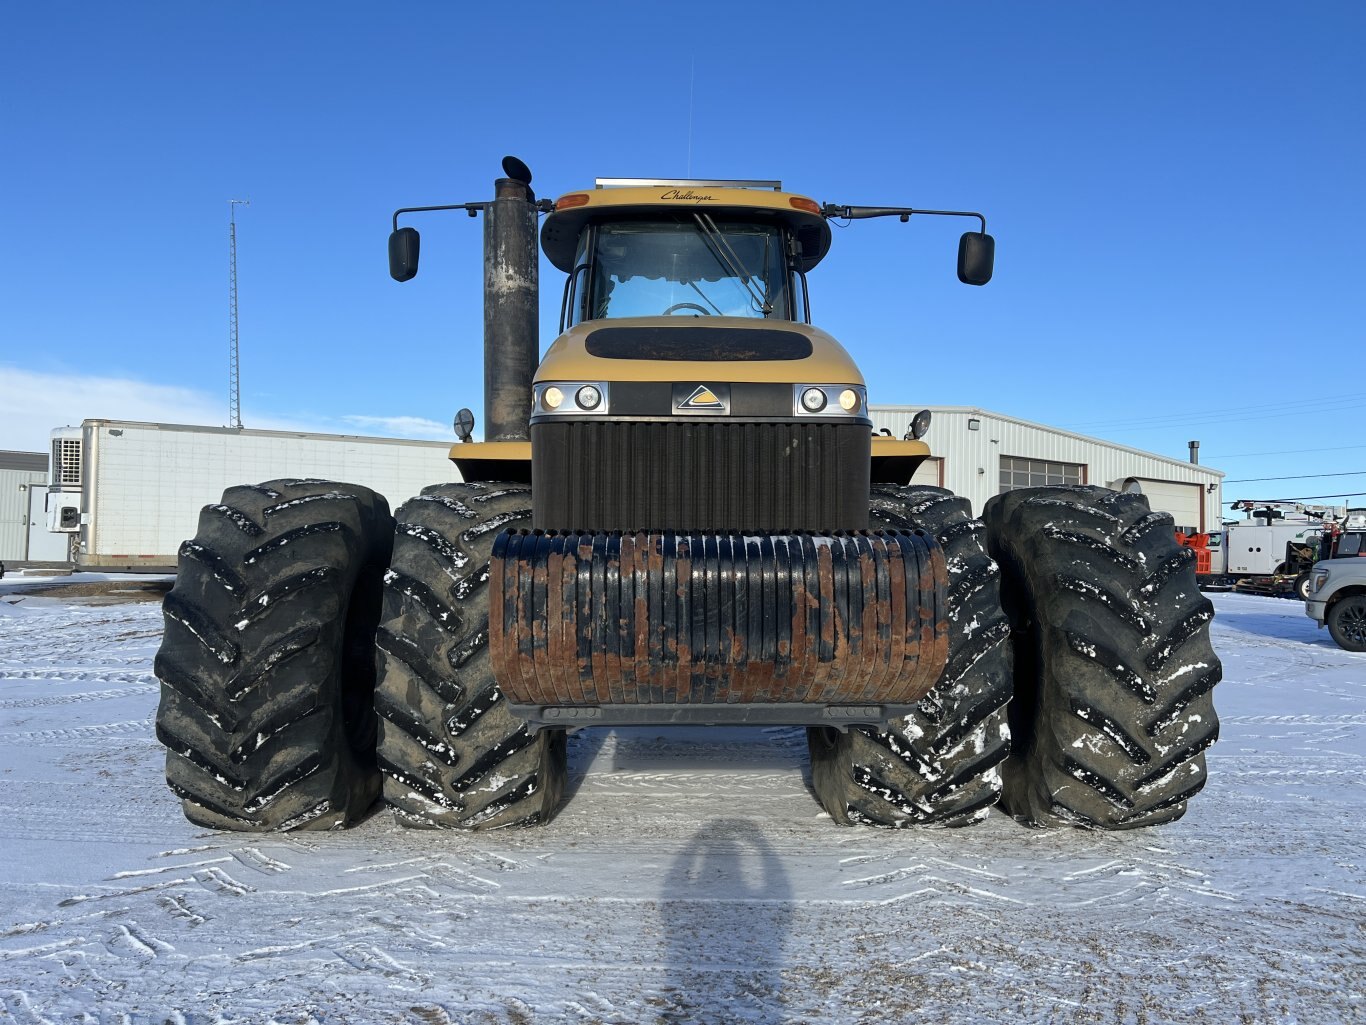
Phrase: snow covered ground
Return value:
(690, 877)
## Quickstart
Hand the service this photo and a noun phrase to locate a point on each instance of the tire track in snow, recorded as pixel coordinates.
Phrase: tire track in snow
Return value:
(254, 858)
(178, 907)
(367, 958)
(1352, 719)
(83, 696)
(131, 941)
(1290, 777)
(213, 879)
(700, 783)
(81, 734)
(61, 682)
(1113, 883)
(441, 870)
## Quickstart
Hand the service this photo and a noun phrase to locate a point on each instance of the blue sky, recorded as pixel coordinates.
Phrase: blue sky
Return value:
(1175, 191)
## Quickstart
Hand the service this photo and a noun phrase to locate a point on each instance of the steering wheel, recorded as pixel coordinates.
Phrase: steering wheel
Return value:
(687, 306)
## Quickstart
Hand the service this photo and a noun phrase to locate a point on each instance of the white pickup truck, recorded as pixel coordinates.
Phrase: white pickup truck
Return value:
(1337, 598)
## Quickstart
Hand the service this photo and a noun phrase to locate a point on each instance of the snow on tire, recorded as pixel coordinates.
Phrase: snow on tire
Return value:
(1113, 665)
(452, 754)
(267, 662)
(940, 764)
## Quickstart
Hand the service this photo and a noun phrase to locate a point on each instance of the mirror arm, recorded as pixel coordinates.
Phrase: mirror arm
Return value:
(471, 208)
(833, 211)
(543, 206)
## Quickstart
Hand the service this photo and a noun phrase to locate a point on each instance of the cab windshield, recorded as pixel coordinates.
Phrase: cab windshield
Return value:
(693, 266)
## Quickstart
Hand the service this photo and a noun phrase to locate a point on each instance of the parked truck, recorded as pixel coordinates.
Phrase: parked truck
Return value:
(680, 515)
(126, 494)
(1337, 592)
(1273, 550)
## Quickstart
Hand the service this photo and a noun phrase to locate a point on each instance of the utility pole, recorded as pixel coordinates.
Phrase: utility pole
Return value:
(234, 385)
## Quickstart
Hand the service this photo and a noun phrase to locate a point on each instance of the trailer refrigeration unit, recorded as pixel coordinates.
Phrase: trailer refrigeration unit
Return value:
(127, 493)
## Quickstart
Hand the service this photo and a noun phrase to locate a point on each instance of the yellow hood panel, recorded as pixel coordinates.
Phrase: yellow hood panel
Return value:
(568, 359)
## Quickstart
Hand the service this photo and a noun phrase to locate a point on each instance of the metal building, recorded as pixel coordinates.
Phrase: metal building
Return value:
(978, 453)
(23, 482)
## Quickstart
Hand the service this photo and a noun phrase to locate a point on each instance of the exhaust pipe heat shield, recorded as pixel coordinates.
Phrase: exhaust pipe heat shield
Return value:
(598, 628)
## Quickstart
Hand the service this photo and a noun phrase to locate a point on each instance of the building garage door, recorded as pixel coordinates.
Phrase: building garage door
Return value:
(1184, 501)
(931, 472)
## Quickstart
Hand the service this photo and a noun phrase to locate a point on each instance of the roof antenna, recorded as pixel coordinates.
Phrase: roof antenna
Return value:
(692, 79)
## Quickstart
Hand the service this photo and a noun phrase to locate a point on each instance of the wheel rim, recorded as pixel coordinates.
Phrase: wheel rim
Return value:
(1352, 623)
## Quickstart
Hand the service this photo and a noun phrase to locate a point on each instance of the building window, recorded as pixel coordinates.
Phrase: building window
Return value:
(1018, 472)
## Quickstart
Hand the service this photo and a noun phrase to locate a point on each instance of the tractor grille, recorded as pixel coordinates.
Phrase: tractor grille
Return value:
(769, 477)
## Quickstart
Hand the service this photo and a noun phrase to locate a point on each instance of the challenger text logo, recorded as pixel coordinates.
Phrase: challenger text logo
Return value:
(689, 195)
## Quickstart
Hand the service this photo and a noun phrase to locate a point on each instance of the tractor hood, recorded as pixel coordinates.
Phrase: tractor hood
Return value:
(738, 349)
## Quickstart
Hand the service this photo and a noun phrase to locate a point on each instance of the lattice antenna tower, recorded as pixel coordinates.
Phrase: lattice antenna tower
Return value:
(234, 383)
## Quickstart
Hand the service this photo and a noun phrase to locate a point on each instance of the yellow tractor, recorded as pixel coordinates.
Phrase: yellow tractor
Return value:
(680, 515)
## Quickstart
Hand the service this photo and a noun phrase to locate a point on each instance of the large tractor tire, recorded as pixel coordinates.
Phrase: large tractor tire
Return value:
(452, 754)
(1113, 664)
(938, 765)
(267, 664)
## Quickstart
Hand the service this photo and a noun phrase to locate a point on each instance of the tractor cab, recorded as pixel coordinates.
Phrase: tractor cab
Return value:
(634, 248)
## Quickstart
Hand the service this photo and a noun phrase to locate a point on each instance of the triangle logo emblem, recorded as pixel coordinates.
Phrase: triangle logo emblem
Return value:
(702, 398)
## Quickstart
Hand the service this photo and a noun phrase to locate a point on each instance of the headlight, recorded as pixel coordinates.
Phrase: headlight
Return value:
(1320, 578)
(570, 398)
(832, 400)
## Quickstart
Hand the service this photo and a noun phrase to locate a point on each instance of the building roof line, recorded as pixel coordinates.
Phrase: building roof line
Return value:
(878, 407)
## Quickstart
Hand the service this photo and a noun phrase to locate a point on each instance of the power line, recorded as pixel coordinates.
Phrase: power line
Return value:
(1299, 498)
(1206, 415)
(1202, 419)
(1302, 476)
(1282, 452)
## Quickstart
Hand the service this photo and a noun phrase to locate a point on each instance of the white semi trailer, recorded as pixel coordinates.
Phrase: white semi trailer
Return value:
(127, 493)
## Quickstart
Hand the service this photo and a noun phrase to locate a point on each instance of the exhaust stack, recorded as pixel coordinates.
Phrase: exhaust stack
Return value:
(511, 305)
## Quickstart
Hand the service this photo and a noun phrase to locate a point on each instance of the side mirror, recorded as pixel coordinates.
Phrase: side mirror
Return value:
(403, 249)
(976, 257)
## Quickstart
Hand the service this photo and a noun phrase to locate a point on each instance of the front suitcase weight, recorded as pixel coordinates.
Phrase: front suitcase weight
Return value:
(611, 628)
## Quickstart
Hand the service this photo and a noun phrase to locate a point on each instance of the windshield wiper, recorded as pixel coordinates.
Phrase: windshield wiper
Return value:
(731, 262)
(703, 296)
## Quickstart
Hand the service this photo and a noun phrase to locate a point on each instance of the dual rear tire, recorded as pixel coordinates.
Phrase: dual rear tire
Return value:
(1077, 606)
(267, 676)
(1112, 710)
(452, 754)
(270, 690)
